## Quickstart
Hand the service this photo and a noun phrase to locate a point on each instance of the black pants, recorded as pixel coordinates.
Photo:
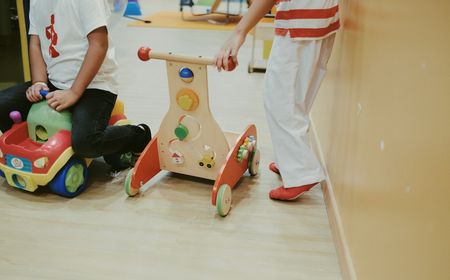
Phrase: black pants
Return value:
(91, 135)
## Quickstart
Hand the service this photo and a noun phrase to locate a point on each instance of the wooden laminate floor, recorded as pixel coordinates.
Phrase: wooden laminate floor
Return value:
(170, 231)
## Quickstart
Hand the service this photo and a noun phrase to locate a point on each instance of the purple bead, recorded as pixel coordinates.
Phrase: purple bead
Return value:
(15, 116)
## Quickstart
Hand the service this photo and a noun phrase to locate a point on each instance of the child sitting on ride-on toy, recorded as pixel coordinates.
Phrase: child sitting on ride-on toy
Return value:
(71, 57)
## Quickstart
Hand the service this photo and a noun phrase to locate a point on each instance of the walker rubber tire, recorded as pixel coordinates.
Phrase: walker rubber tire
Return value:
(128, 189)
(223, 200)
(253, 163)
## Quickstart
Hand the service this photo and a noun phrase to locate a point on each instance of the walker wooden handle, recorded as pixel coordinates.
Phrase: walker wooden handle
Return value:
(145, 53)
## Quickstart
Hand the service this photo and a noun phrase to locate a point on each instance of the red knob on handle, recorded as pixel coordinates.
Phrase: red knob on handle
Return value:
(231, 64)
(144, 53)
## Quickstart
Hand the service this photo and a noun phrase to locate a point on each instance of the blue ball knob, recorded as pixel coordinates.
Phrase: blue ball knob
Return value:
(186, 75)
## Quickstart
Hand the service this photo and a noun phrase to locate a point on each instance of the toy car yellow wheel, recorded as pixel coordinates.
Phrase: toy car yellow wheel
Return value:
(223, 200)
(71, 180)
(128, 189)
(253, 163)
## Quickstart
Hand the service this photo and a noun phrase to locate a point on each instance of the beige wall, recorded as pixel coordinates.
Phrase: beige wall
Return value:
(383, 120)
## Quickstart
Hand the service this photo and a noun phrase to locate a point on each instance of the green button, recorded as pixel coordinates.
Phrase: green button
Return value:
(181, 132)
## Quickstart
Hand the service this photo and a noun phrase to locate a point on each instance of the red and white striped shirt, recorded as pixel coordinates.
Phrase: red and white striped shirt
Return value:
(307, 19)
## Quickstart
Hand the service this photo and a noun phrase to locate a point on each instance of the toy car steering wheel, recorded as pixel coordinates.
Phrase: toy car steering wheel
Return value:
(43, 92)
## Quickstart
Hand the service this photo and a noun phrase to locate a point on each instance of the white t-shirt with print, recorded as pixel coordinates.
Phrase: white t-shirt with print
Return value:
(62, 27)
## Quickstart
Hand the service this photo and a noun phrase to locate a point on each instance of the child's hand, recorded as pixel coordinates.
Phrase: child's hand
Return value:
(230, 48)
(62, 99)
(33, 94)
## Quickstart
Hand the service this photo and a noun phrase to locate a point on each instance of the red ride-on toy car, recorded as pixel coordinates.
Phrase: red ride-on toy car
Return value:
(38, 152)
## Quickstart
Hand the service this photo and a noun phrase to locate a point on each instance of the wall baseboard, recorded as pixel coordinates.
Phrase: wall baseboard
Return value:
(334, 217)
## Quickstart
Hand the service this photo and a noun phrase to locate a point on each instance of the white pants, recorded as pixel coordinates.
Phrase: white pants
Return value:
(294, 73)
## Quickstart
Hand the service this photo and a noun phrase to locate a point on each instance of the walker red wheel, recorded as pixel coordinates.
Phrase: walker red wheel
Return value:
(253, 163)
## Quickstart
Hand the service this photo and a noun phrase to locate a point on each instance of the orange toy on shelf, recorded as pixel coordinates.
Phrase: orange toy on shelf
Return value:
(189, 140)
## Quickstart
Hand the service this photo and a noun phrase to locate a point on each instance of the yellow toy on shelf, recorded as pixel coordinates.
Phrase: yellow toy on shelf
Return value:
(189, 140)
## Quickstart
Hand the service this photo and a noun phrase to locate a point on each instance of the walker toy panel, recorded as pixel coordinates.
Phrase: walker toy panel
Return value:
(189, 140)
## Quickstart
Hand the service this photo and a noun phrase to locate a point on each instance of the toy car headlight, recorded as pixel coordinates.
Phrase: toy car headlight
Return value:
(41, 162)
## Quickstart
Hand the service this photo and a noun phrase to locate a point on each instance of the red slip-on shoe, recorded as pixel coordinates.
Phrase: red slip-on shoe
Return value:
(273, 167)
(282, 193)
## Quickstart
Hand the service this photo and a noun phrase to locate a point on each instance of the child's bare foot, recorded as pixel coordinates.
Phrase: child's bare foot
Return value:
(282, 193)
(274, 168)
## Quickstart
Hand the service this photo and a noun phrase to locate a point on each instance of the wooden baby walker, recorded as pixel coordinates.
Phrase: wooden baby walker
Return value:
(189, 140)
